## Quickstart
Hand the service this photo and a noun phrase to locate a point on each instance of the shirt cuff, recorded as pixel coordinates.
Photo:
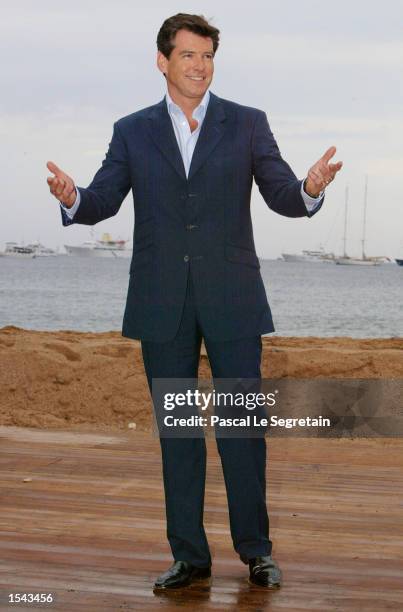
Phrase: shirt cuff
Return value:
(70, 212)
(310, 203)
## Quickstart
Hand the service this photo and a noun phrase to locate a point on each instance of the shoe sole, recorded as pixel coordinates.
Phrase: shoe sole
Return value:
(182, 586)
(272, 587)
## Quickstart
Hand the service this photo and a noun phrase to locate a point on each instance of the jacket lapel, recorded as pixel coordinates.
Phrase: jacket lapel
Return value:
(210, 134)
(162, 133)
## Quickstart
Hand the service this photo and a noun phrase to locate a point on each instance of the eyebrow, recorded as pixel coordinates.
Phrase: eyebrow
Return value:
(193, 52)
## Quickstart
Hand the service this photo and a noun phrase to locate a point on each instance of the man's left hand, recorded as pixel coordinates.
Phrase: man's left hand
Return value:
(321, 174)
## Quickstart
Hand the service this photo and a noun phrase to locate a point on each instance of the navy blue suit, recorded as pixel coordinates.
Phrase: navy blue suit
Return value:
(195, 274)
(202, 221)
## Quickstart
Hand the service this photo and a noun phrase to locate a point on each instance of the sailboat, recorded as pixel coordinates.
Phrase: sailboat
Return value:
(346, 260)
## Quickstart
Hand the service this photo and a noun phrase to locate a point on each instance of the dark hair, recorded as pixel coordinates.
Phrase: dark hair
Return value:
(182, 21)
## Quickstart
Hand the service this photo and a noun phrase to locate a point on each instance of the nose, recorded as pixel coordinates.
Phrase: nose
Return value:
(198, 63)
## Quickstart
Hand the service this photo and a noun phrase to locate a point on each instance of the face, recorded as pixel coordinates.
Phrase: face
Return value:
(190, 67)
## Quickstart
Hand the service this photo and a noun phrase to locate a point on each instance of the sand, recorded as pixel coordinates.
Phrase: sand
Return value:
(75, 380)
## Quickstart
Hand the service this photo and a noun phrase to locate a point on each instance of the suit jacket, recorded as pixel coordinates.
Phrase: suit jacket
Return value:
(202, 222)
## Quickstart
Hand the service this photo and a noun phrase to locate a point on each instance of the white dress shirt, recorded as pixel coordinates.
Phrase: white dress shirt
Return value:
(187, 141)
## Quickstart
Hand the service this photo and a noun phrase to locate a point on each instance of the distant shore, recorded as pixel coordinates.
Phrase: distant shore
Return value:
(69, 379)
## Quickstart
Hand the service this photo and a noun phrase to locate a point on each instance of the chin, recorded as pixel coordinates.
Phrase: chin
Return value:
(201, 90)
(195, 93)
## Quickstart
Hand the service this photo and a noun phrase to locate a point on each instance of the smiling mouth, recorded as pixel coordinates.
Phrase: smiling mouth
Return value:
(194, 78)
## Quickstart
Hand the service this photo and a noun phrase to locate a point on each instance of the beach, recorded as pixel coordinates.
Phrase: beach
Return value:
(80, 380)
(83, 501)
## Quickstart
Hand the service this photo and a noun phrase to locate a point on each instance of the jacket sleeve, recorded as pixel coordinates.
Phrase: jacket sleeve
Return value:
(109, 187)
(277, 183)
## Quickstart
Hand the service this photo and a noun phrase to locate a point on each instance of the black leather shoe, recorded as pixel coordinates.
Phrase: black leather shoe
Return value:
(181, 574)
(264, 571)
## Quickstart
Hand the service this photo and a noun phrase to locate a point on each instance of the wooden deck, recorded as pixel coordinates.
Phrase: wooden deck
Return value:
(82, 517)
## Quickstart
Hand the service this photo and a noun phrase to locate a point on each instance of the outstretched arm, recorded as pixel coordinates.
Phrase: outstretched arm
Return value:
(277, 183)
(104, 196)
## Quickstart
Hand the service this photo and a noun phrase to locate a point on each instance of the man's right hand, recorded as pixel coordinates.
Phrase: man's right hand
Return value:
(61, 185)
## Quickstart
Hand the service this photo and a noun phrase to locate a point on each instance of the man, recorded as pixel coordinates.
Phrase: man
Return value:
(190, 161)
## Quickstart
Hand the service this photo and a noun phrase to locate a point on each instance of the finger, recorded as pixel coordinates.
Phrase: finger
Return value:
(320, 179)
(52, 188)
(55, 169)
(67, 192)
(66, 181)
(328, 155)
(59, 187)
(335, 167)
(325, 171)
(329, 171)
(53, 184)
(316, 175)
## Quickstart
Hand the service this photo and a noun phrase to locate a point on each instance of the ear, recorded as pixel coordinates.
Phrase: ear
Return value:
(162, 62)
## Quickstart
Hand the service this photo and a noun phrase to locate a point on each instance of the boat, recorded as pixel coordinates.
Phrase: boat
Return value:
(312, 256)
(35, 249)
(356, 261)
(106, 247)
(42, 251)
(13, 249)
(82, 250)
(347, 260)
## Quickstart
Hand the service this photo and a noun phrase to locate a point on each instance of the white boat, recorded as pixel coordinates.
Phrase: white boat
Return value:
(356, 261)
(42, 251)
(106, 247)
(345, 259)
(35, 249)
(319, 256)
(13, 249)
(83, 250)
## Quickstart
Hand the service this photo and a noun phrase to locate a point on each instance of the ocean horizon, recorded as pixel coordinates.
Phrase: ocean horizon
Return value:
(306, 299)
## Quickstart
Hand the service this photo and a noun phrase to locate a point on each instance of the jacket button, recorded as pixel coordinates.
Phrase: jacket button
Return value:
(186, 258)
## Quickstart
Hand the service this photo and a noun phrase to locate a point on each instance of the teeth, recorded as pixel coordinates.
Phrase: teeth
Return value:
(196, 78)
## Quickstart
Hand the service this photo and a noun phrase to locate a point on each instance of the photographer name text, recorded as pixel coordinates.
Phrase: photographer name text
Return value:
(247, 421)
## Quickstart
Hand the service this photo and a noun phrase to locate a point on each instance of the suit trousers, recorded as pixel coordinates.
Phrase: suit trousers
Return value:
(184, 459)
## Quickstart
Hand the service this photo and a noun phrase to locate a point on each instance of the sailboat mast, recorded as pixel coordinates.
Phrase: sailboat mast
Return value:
(345, 222)
(365, 217)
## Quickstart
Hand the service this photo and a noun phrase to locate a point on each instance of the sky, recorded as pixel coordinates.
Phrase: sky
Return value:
(325, 74)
